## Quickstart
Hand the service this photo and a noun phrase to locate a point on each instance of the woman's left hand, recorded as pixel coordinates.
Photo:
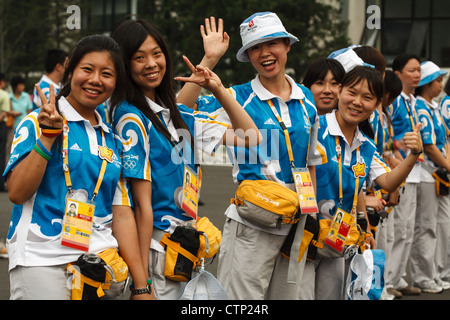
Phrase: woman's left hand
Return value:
(412, 139)
(202, 76)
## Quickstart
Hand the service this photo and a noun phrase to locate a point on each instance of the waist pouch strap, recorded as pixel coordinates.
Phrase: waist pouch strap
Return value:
(178, 248)
(297, 253)
(79, 280)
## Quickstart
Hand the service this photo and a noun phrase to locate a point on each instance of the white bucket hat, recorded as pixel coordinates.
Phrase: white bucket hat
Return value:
(430, 72)
(348, 58)
(258, 28)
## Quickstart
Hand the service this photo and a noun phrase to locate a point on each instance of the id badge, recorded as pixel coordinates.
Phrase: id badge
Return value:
(77, 226)
(190, 192)
(305, 191)
(339, 229)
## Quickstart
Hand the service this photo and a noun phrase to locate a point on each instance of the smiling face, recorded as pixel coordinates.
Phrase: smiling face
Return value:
(92, 82)
(325, 92)
(356, 104)
(269, 58)
(148, 67)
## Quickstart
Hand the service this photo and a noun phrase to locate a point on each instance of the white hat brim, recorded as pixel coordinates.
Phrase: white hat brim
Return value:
(242, 53)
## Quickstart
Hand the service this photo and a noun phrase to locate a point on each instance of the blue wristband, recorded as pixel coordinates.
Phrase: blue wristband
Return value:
(41, 146)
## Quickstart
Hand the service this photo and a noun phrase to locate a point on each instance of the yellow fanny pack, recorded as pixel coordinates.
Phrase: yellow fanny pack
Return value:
(442, 182)
(94, 273)
(186, 247)
(266, 203)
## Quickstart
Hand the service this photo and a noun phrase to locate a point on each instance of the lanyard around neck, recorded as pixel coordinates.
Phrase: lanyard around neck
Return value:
(286, 132)
(341, 193)
(65, 155)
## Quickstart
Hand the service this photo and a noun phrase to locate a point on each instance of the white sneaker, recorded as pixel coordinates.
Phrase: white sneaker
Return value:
(386, 295)
(432, 288)
(444, 284)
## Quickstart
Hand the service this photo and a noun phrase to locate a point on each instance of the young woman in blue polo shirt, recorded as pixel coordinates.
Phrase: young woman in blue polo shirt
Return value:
(63, 153)
(431, 231)
(251, 265)
(352, 159)
(162, 139)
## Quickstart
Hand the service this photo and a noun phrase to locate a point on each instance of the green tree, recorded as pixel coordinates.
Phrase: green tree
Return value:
(317, 25)
(27, 30)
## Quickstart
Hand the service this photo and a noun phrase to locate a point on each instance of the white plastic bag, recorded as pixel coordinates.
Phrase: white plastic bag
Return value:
(365, 280)
(204, 287)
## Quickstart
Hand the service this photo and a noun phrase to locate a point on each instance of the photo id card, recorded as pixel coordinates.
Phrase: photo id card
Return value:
(190, 192)
(77, 226)
(339, 229)
(305, 191)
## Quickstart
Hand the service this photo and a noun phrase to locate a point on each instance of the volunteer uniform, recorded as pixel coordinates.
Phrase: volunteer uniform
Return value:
(35, 231)
(149, 156)
(385, 229)
(323, 277)
(405, 212)
(250, 263)
(44, 83)
(432, 227)
(445, 111)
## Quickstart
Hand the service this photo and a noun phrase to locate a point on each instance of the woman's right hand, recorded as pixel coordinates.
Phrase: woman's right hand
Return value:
(48, 115)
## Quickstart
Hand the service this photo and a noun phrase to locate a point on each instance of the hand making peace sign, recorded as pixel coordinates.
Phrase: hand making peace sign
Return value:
(49, 116)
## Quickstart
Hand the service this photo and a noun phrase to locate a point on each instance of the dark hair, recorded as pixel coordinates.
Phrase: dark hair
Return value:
(15, 81)
(96, 43)
(392, 84)
(165, 92)
(447, 87)
(318, 71)
(401, 60)
(375, 83)
(2, 77)
(54, 56)
(373, 56)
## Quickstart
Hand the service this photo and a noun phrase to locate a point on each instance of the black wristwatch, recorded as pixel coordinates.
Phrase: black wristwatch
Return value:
(144, 290)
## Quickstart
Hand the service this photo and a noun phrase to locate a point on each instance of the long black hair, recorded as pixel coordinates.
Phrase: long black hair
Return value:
(375, 83)
(130, 34)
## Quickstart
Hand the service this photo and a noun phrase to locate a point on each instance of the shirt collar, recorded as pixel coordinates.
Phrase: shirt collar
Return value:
(432, 105)
(72, 115)
(154, 106)
(264, 94)
(48, 80)
(335, 130)
(410, 97)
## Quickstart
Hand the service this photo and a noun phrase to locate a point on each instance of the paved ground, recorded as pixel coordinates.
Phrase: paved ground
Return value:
(217, 190)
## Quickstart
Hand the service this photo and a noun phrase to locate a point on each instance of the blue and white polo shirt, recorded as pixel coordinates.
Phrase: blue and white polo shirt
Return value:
(148, 155)
(44, 84)
(432, 132)
(327, 175)
(34, 236)
(269, 160)
(401, 121)
(445, 110)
